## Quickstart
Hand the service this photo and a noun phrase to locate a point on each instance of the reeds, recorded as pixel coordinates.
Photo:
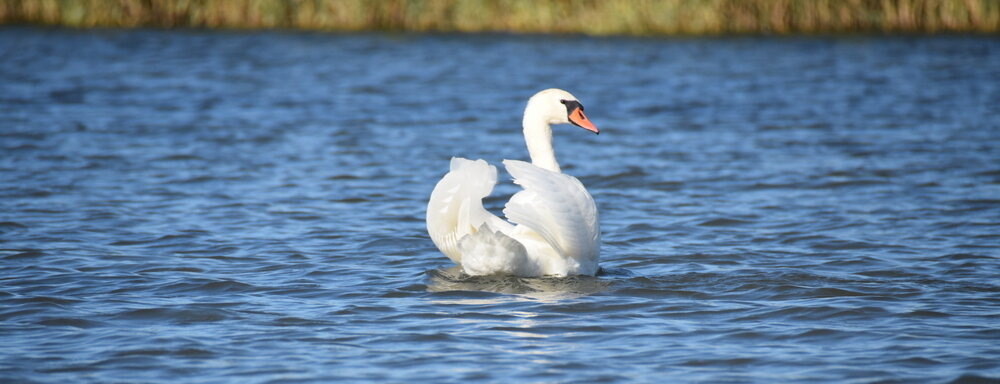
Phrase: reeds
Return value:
(596, 17)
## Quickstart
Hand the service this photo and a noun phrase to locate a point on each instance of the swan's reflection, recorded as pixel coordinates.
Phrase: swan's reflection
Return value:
(537, 289)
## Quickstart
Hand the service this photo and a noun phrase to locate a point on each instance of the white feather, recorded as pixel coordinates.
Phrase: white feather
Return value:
(456, 208)
(559, 209)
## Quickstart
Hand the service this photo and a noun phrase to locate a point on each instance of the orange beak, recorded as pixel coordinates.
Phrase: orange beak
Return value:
(580, 120)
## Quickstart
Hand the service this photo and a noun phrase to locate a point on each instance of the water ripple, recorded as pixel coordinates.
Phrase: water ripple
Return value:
(225, 207)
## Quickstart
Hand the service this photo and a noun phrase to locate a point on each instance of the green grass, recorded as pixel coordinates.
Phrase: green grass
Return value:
(596, 17)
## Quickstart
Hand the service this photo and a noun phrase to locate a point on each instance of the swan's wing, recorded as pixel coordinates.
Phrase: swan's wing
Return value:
(456, 208)
(558, 208)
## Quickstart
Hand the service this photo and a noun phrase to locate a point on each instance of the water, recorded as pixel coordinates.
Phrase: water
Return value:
(248, 207)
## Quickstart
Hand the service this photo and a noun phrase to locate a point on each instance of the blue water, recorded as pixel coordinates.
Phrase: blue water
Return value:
(189, 206)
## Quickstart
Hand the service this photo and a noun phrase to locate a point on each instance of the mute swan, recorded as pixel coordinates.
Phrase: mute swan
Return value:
(553, 226)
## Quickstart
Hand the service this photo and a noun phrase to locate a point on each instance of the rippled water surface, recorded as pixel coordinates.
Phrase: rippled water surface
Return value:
(248, 207)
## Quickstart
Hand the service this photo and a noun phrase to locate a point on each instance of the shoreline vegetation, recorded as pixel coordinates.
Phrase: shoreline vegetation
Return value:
(591, 17)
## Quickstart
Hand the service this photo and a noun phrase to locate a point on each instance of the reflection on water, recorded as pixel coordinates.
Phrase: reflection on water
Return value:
(541, 289)
(229, 206)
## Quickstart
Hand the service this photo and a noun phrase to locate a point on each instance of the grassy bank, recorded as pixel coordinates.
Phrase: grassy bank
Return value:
(598, 17)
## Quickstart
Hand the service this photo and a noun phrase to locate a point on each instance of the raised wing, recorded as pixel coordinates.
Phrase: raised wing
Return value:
(456, 208)
(558, 208)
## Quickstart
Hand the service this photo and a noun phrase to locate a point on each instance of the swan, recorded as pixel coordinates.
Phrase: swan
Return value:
(552, 227)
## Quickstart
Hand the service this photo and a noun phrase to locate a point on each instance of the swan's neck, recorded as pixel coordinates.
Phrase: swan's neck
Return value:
(538, 137)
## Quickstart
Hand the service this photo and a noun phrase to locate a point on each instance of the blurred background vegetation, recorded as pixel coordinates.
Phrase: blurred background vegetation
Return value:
(597, 17)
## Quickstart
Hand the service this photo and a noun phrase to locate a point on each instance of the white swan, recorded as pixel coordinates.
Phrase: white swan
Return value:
(554, 230)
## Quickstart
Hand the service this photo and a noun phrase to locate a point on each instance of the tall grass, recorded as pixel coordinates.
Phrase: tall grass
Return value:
(598, 17)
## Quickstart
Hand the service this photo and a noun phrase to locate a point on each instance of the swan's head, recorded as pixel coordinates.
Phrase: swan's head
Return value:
(557, 106)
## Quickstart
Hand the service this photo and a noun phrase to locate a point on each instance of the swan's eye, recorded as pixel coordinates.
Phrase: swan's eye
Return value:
(562, 101)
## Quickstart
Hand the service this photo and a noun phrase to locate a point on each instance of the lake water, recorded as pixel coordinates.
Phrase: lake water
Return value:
(190, 206)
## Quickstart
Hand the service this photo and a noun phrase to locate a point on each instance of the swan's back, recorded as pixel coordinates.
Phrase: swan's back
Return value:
(556, 233)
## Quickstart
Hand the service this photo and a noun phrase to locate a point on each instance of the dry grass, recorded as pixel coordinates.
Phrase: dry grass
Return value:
(597, 17)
